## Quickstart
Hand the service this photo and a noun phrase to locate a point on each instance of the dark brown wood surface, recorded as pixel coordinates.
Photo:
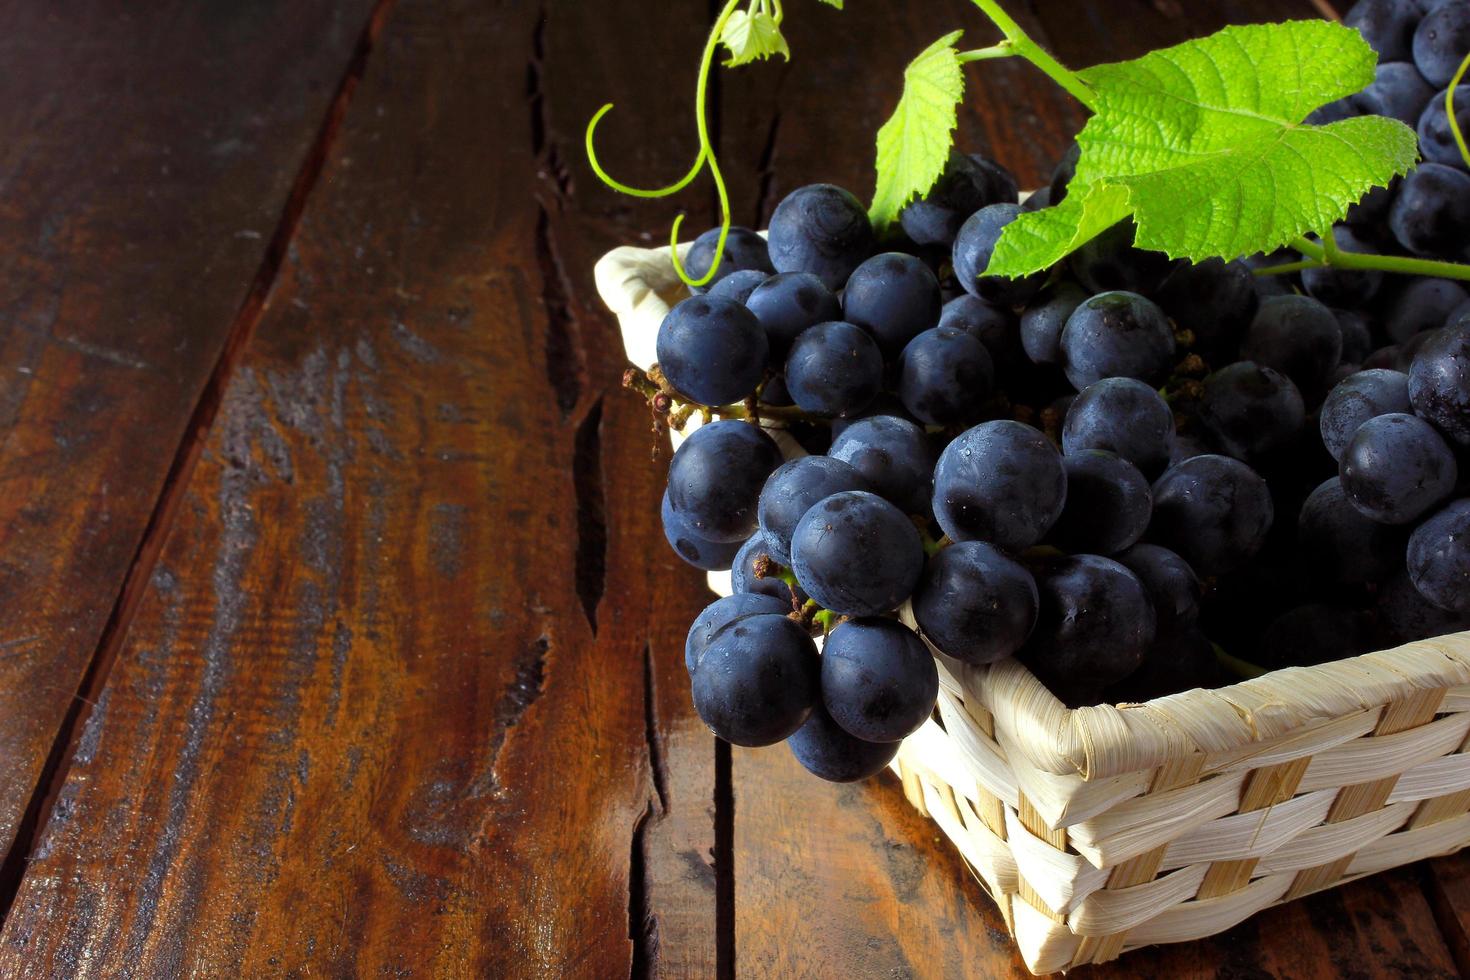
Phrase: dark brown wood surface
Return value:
(393, 681)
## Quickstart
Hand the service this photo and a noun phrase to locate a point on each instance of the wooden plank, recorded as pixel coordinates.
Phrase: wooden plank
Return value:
(148, 156)
(399, 698)
(1448, 881)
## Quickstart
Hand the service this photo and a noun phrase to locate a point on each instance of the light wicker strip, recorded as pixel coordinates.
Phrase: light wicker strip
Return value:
(1099, 830)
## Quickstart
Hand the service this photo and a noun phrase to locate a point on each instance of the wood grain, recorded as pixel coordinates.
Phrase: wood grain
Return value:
(399, 696)
(148, 155)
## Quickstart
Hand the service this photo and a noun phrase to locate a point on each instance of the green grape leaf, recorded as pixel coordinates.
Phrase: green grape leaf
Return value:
(913, 145)
(752, 37)
(1204, 144)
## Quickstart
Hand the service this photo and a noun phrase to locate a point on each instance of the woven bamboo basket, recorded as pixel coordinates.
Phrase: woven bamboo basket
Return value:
(1099, 830)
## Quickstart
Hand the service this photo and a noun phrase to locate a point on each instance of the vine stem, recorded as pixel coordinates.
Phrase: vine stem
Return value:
(1023, 45)
(1004, 49)
(1449, 108)
(1328, 254)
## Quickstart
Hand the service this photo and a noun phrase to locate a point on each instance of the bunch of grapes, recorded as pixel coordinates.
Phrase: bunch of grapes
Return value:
(1113, 471)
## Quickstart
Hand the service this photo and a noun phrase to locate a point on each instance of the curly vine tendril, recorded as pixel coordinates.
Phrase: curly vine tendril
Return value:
(705, 157)
(1449, 108)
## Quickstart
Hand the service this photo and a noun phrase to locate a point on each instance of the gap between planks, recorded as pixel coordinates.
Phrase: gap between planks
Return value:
(191, 446)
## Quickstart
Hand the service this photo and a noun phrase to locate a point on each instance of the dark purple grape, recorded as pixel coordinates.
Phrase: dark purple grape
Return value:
(964, 188)
(712, 350)
(1396, 467)
(975, 603)
(857, 554)
(1251, 410)
(1001, 482)
(879, 682)
(1123, 416)
(1439, 557)
(1315, 634)
(1094, 625)
(1366, 395)
(1066, 169)
(1436, 139)
(1405, 615)
(787, 304)
(1299, 337)
(972, 250)
(757, 681)
(1003, 186)
(1117, 335)
(1440, 42)
(893, 296)
(1038, 200)
(1214, 511)
(834, 369)
(893, 455)
(1339, 544)
(1439, 382)
(1343, 287)
(712, 556)
(1107, 507)
(825, 750)
(744, 577)
(1357, 336)
(792, 490)
(823, 230)
(976, 317)
(1432, 210)
(744, 250)
(1172, 586)
(1043, 320)
(716, 477)
(737, 285)
(1387, 26)
(1422, 304)
(1397, 91)
(945, 376)
(1215, 300)
(1110, 263)
(1177, 662)
(721, 613)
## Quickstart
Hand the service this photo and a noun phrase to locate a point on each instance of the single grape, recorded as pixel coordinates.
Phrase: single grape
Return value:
(1404, 614)
(973, 247)
(1357, 336)
(834, 369)
(1436, 139)
(1397, 91)
(1387, 26)
(1366, 395)
(1066, 169)
(1314, 634)
(1108, 504)
(1187, 447)
(1344, 287)
(945, 376)
(825, 750)
(1043, 320)
(1299, 337)
(1332, 112)
(756, 682)
(1251, 410)
(1177, 662)
(893, 296)
(1002, 482)
(1094, 625)
(1117, 335)
(1440, 41)
(820, 229)
(716, 477)
(1396, 467)
(775, 393)
(744, 577)
(1214, 511)
(879, 682)
(1339, 544)
(712, 350)
(1123, 416)
(1109, 262)
(721, 613)
(712, 556)
(964, 188)
(975, 603)
(1422, 304)
(787, 304)
(791, 491)
(893, 455)
(1432, 210)
(1439, 557)
(1003, 186)
(857, 554)
(987, 323)
(737, 285)
(1038, 200)
(1172, 586)
(1384, 358)
(744, 250)
(1439, 382)
(1215, 300)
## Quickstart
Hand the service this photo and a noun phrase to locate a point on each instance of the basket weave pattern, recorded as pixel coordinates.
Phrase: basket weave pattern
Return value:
(1102, 829)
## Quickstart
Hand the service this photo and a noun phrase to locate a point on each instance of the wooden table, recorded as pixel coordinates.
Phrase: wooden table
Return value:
(338, 633)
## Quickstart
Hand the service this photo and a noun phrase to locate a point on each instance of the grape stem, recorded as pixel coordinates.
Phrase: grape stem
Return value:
(1326, 254)
(676, 412)
(1004, 49)
(1020, 43)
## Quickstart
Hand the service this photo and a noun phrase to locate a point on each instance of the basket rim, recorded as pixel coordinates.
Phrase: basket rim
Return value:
(639, 286)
